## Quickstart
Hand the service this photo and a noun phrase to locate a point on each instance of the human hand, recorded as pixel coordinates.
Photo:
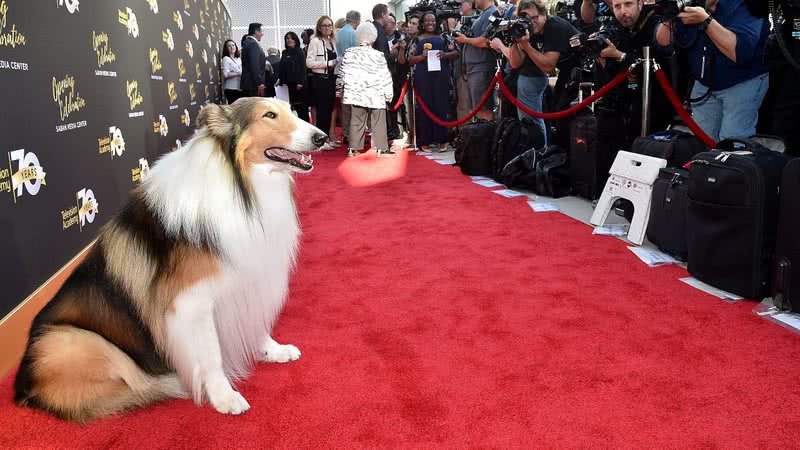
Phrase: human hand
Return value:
(497, 44)
(525, 40)
(693, 15)
(611, 51)
(461, 39)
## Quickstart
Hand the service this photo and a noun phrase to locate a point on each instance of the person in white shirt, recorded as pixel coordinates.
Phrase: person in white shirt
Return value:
(367, 86)
(321, 60)
(231, 71)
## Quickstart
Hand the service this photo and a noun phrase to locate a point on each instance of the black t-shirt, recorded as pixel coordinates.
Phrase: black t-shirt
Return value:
(555, 38)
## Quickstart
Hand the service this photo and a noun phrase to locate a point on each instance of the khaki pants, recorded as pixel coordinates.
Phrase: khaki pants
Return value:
(358, 128)
(346, 111)
(463, 107)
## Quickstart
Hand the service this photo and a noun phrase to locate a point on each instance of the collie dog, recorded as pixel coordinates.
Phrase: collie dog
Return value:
(179, 294)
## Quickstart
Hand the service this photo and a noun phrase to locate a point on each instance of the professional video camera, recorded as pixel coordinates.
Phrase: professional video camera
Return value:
(507, 30)
(589, 47)
(566, 10)
(443, 9)
(669, 9)
(465, 25)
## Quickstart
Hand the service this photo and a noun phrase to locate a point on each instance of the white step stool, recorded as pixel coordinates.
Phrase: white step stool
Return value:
(632, 177)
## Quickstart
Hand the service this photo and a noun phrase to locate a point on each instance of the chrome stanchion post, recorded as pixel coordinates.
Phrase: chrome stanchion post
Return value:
(646, 91)
(412, 129)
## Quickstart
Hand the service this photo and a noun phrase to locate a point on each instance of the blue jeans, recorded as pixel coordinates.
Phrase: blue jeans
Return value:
(530, 91)
(730, 112)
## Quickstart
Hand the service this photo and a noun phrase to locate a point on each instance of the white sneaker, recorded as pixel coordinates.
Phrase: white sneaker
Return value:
(327, 146)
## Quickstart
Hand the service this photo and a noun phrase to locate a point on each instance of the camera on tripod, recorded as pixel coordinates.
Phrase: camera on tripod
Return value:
(669, 9)
(507, 30)
(590, 47)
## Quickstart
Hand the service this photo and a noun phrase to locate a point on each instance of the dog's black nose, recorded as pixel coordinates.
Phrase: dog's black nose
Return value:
(319, 138)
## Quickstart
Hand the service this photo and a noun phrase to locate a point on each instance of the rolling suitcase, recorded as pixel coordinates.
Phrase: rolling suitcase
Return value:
(786, 272)
(668, 210)
(595, 140)
(732, 220)
(472, 152)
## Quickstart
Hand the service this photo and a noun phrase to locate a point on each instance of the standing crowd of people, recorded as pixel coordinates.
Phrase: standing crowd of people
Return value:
(352, 72)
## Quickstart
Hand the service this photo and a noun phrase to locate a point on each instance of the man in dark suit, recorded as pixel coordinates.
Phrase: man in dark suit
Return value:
(254, 62)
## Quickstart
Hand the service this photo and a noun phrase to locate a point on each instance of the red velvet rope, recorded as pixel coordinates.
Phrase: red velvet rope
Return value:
(571, 111)
(396, 106)
(687, 118)
(468, 116)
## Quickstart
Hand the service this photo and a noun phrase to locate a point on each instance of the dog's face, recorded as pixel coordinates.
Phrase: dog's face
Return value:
(263, 133)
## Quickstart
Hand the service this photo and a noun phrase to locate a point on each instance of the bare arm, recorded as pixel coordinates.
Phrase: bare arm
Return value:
(723, 38)
(545, 61)
(588, 11)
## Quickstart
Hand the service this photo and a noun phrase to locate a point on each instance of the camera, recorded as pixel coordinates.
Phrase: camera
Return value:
(589, 47)
(465, 26)
(669, 9)
(443, 9)
(507, 30)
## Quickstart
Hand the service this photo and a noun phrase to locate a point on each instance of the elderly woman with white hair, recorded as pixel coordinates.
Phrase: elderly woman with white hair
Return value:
(367, 85)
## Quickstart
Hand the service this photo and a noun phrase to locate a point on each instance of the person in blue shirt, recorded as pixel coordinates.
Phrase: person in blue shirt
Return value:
(346, 38)
(480, 60)
(727, 52)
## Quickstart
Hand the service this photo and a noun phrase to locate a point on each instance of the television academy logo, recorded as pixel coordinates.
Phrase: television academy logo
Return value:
(166, 36)
(140, 173)
(193, 94)
(197, 71)
(117, 141)
(153, 5)
(185, 119)
(190, 49)
(195, 31)
(128, 19)
(71, 5)
(208, 40)
(205, 56)
(160, 126)
(29, 175)
(206, 90)
(178, 19)
(155, 65)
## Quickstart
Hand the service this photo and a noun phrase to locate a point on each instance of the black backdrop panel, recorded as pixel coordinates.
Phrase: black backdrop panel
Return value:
(93, 92)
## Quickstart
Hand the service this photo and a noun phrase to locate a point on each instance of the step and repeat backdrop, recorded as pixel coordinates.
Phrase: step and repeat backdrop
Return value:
(93, 92)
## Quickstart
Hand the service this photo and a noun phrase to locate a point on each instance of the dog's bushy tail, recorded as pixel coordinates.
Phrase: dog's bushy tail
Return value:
(80, 376)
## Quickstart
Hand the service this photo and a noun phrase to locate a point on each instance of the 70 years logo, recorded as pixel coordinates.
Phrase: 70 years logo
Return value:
(25, 174)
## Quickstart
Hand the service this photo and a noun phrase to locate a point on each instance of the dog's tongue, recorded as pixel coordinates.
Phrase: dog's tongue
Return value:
(287, 155)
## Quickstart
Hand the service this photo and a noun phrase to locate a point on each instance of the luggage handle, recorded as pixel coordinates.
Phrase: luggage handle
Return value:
(782, 279)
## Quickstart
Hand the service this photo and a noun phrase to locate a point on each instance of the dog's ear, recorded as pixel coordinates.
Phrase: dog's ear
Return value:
(218, 120)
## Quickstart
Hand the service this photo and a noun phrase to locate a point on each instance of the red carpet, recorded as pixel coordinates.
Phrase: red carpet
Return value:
(433, 313)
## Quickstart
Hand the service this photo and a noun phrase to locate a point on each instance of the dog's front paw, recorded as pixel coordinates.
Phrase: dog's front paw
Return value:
(230, 402)
(281, 353)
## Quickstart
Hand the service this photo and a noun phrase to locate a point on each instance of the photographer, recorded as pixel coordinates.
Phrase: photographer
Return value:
(535, 61)
(638, 28)
(727, 57)
(479, 59)
(591, 10)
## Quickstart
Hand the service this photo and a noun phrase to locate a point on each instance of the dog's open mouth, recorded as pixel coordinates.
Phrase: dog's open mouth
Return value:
(295, 159)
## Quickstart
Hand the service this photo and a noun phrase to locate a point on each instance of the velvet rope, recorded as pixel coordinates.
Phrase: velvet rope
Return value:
(468, 116)
(396, 106)
(685, 116)
(571, 111)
